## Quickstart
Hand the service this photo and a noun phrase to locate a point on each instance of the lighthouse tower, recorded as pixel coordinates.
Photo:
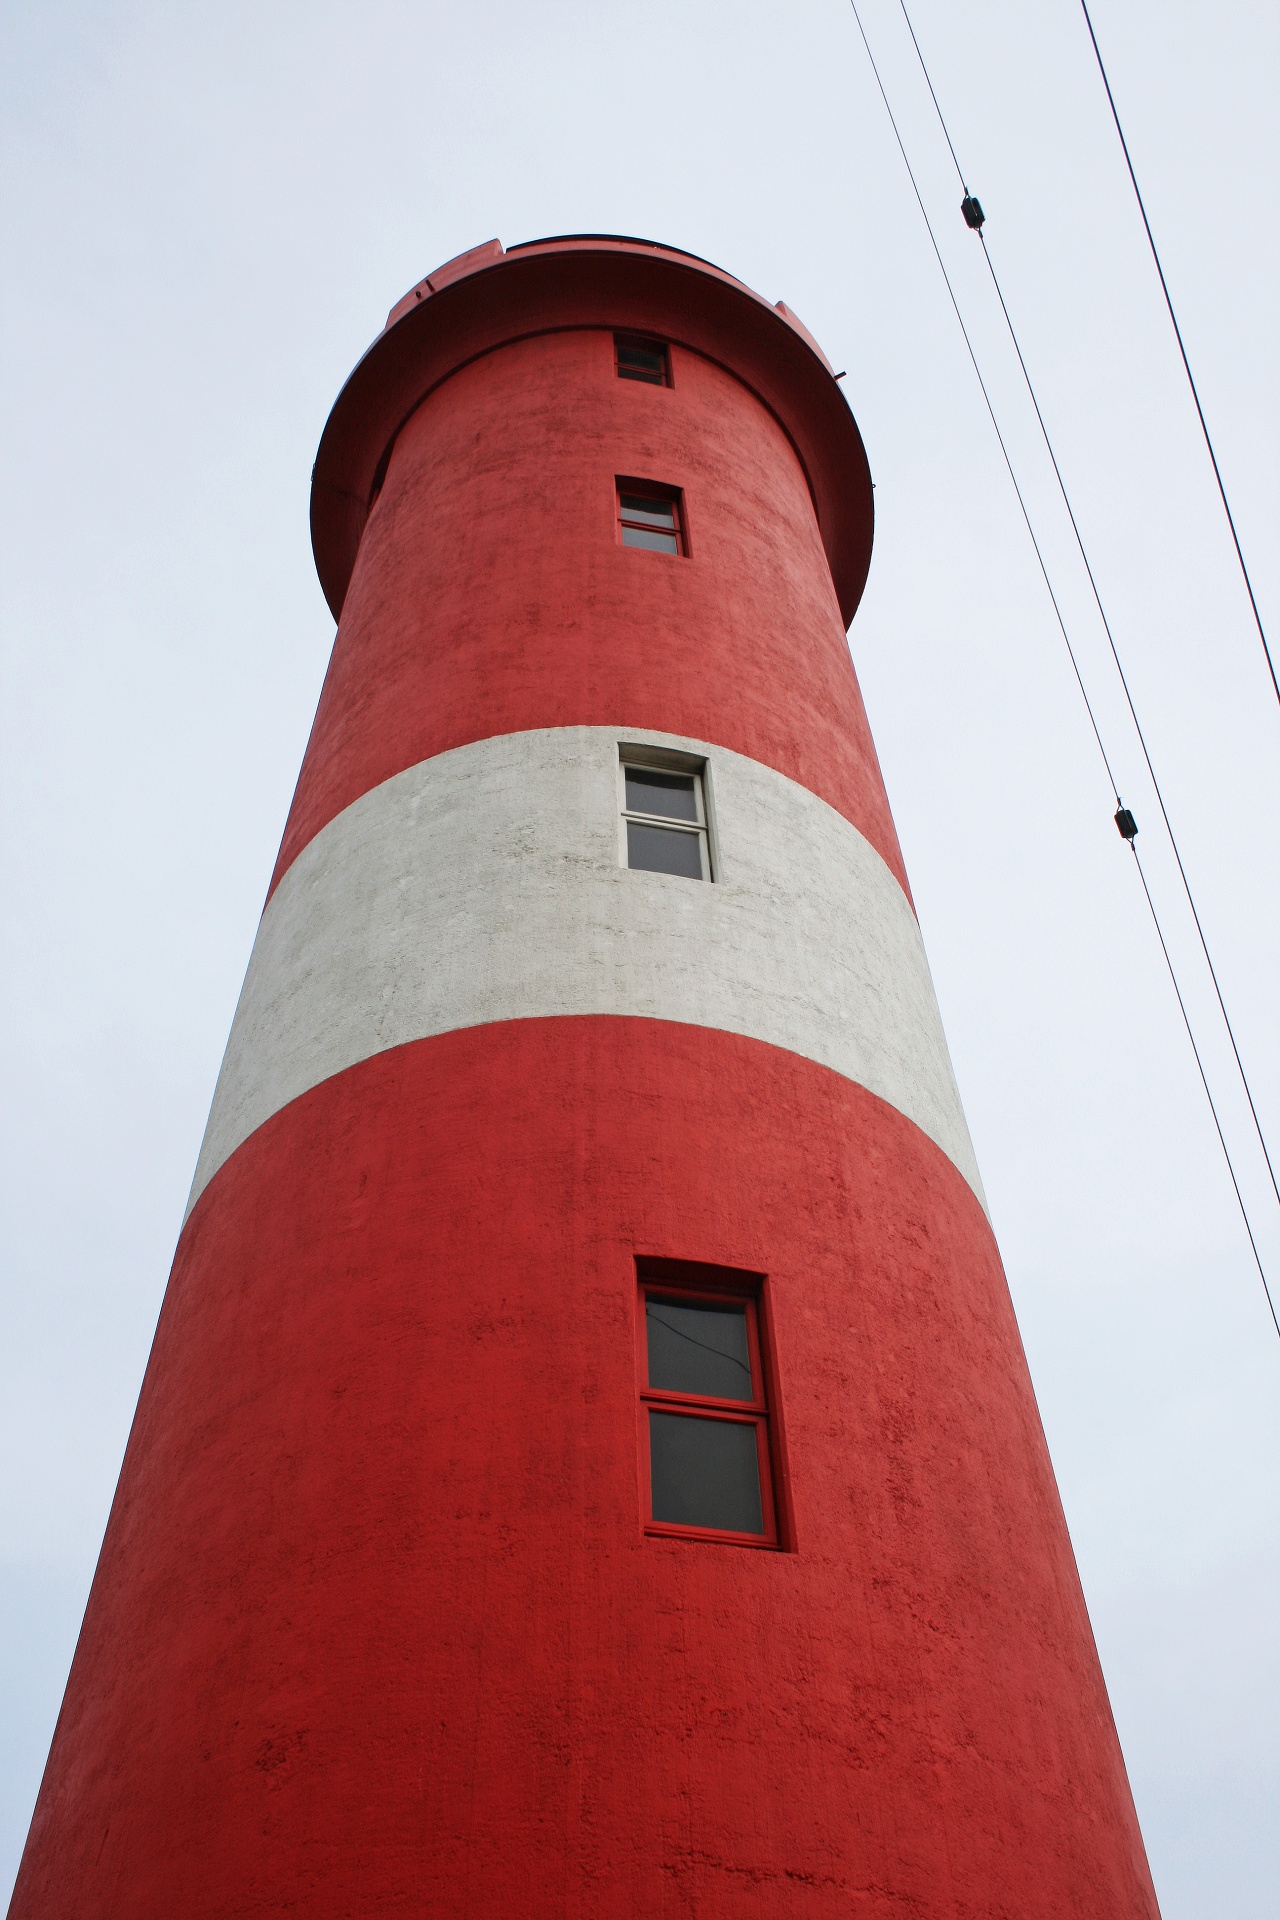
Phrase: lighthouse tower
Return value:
(587, 1465)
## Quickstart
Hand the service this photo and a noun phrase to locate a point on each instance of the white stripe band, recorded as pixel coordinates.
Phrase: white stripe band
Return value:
(486, 884)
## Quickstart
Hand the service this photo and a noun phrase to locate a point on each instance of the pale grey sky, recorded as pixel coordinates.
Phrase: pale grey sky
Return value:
(207, 212)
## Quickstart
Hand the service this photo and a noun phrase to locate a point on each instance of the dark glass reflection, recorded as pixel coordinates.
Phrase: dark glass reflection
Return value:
(642, 363)
(663, 850)
(648, 511)
(698, 1349)
(646, 537)
(706, 1473)
(649, 791)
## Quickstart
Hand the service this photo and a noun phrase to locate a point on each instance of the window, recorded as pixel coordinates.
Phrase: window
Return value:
(665, 815)
(704, 1416)
(650, 517)
(642, 360)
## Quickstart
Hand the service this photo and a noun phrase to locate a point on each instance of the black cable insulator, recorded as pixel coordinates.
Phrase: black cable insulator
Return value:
(971, 208)
(1127, 825)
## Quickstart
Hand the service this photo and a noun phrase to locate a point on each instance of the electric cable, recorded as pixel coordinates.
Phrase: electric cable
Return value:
(1062, 625)
(1182, 1009)
(975, 222)
(1124, 819)
(1177, 330)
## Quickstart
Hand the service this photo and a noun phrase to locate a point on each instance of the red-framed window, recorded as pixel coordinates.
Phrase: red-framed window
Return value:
(651, 516)
(707, 1454)
(639, 359)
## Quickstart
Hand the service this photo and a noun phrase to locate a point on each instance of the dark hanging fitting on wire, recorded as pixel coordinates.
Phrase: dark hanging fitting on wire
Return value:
(972, 211)
(1126, 823)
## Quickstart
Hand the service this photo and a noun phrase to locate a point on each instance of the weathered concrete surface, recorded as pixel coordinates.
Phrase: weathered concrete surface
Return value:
(377, 1629)
(486, 884)
(492, 595)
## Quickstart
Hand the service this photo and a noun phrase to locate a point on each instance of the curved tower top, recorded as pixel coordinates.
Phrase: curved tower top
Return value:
(488, 298)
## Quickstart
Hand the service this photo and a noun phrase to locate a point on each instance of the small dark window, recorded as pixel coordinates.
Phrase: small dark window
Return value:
(666, 821)
(705, 1418)
(642, 360)
(650, 518)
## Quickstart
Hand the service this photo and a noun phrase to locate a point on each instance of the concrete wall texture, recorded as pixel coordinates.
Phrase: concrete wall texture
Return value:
(378, 1627)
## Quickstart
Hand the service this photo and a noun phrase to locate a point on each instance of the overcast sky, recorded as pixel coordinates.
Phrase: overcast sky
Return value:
(207, 212)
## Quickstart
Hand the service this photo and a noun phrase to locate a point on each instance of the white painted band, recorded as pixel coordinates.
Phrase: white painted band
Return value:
(486, 884)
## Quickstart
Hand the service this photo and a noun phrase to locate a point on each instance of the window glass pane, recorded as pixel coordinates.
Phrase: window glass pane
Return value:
(648, 511)
(649, 791)
(663, 850)
(698, 1349)
(706, 1473)
(641, 363)
(649, 537)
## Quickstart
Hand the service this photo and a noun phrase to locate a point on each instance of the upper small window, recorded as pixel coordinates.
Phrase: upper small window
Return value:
(650, 517)
(642, 360)
(666, 821)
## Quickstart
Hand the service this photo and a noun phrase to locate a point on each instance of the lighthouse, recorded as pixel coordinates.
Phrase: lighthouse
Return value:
(587, 1465)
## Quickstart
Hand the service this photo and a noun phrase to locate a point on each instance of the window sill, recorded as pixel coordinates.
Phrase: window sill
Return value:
(669, 1530)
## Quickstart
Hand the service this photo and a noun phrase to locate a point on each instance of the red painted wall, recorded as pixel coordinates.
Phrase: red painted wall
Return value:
(376, 1629)
(490, 594)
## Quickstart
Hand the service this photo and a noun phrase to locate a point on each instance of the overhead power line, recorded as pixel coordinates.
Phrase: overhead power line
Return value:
(942, 268)
(1177, 331)
(974, 218)
(1204, 1081)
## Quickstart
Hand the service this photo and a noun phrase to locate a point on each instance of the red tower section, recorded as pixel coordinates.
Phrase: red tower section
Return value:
(587, 1464)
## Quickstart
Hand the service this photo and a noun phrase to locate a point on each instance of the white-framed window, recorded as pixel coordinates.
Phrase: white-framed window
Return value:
(665, 828)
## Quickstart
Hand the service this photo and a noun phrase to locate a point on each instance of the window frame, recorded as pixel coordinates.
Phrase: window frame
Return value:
(656, 760)
(646, 344)
(713, 1287)
(661, 495)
